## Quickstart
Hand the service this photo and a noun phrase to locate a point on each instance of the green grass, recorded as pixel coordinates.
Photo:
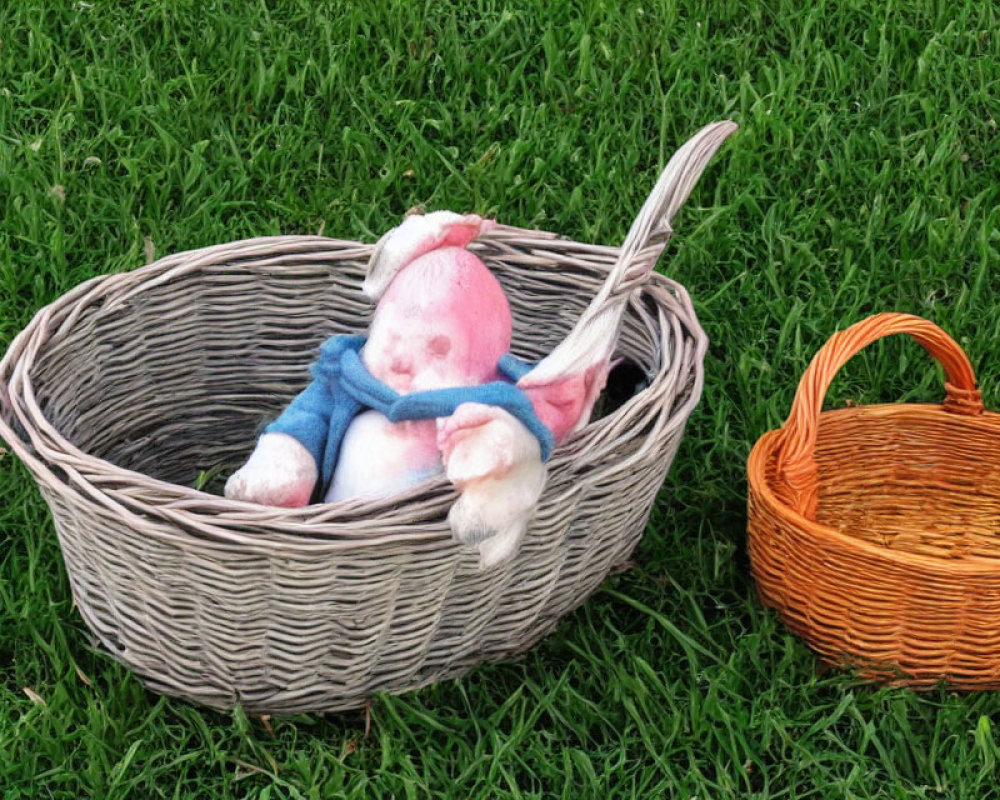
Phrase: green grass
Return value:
(864, 178)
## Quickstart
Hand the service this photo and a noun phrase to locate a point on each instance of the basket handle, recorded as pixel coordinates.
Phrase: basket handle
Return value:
(592, 340)
(651, 229)
(798, 478)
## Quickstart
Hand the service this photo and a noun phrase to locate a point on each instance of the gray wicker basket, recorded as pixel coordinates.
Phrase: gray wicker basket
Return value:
(119, 393)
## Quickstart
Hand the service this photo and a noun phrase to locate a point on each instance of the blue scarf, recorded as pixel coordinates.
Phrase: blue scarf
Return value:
(342, 388)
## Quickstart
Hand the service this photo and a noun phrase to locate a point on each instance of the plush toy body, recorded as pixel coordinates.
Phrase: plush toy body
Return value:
(432, 388)
(367, 438)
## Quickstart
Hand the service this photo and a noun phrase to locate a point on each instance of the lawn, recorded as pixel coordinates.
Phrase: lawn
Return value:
(863, 178)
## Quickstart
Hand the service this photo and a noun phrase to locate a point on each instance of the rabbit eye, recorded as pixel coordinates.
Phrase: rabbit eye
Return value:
(439, 346)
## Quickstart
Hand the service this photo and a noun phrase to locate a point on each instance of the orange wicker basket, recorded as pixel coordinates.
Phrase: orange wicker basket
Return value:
(874, 531)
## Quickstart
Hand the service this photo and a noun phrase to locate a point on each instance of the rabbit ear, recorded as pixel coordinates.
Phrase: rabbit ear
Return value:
(417, 235)
(564, 403)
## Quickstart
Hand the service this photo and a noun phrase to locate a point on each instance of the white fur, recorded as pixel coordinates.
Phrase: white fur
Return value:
(496, 464)
(416, 235)
(379, 458)
(279, 472)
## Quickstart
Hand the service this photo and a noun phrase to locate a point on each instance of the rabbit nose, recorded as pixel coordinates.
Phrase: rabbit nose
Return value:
(402, 363)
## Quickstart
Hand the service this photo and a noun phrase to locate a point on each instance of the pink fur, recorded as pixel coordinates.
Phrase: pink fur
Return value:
(561, 404)
(443, 321)
(443, 318)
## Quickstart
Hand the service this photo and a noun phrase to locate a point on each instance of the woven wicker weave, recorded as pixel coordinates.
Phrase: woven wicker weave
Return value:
(875, 530)
(120, 392)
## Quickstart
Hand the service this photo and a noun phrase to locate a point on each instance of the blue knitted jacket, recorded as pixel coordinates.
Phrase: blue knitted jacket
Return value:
(342, 388)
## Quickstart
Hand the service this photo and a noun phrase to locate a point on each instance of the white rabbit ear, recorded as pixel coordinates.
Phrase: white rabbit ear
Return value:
(417, 235)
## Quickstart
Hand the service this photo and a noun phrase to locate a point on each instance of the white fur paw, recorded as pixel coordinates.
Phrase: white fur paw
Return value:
(279, 472)
(480, 441)
(494, 514)
(501, 548)
(468, 524)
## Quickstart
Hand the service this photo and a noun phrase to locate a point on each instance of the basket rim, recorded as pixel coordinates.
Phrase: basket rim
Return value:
(759, 488)
(221, 517)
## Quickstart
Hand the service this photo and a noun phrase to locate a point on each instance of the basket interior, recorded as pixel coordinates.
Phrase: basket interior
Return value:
(179, 379)
(912, 478)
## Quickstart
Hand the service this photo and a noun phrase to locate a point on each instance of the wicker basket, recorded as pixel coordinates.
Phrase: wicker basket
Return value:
(875, 530)
(120, 392)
